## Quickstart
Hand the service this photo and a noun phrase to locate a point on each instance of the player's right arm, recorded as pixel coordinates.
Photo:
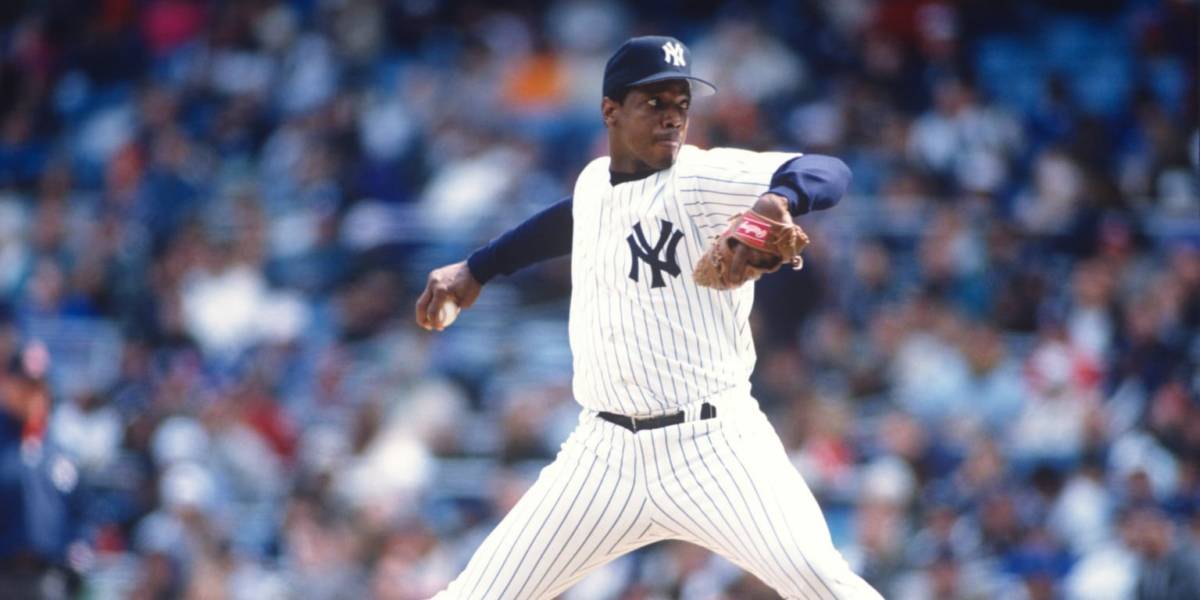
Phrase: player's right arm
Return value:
(543, 236)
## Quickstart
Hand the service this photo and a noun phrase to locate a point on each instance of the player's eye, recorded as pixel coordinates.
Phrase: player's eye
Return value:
(685, 105)
(653, 102)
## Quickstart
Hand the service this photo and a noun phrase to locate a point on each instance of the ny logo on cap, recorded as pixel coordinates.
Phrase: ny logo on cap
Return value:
(673, 53)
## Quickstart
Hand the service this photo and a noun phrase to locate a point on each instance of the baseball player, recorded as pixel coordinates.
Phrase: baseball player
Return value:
(670, 443)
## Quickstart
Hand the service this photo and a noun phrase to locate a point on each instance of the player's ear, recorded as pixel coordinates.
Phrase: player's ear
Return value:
(608, 110)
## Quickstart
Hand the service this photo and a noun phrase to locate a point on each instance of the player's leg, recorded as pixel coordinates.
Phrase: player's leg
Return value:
(586, 509)
(729, 484)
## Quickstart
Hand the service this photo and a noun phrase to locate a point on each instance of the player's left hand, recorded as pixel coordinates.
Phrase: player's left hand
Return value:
(754, 244)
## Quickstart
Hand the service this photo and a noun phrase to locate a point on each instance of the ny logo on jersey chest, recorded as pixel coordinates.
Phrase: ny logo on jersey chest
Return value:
(660, 257)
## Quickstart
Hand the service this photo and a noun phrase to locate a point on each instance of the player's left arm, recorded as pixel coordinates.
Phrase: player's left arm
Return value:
(800, 185)
(806, 183)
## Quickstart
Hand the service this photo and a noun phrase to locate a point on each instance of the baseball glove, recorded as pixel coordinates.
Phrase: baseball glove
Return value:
(779, 242)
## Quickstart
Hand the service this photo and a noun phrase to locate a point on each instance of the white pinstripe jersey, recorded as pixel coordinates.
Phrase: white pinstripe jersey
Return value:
(645, 338)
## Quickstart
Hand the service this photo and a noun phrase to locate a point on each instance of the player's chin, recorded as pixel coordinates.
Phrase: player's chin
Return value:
(665, 154)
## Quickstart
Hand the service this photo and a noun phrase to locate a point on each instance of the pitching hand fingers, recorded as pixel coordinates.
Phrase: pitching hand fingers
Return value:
(451, 282)
(423, 304)
(430, 303)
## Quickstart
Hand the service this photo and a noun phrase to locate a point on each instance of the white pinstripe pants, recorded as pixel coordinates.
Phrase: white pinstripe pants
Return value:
(725, 484)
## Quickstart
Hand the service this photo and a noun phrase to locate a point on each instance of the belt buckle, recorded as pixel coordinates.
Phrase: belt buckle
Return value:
(633, 421)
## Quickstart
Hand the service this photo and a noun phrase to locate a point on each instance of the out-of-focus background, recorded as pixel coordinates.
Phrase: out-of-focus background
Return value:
(217, 216)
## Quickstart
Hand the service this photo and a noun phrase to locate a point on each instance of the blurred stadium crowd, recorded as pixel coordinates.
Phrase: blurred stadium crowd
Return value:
(217, 215)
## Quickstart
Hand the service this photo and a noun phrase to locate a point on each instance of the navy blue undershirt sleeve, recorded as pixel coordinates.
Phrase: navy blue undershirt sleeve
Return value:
(541, 237)
(811, 182)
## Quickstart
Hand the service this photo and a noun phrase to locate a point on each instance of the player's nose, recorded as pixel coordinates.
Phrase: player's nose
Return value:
(673, 118)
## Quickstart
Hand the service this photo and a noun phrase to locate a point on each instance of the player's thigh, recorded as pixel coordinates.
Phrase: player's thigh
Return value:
(583, 511)
(739, 495)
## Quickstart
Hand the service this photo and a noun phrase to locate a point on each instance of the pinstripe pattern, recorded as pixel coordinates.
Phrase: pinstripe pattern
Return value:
(645, 350)
(729, 485)
(724, 484)
(650, 346)
(578, 516)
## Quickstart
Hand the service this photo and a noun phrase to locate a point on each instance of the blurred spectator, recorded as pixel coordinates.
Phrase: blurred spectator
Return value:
(1170, 567)
(89, 430)
(214, 215)
(946, 576)
(996, 384)
(1063, 389)
(1107, 570)
(41, 541)
(1081, 516)
(878, 552)
(968, 147)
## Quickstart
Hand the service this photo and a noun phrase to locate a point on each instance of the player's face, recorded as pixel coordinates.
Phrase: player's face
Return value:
(646, 131)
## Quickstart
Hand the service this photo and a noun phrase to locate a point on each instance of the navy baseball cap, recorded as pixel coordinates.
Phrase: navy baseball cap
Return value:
(643, 60)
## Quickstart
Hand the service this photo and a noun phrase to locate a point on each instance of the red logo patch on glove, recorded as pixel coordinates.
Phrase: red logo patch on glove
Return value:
(754, 230)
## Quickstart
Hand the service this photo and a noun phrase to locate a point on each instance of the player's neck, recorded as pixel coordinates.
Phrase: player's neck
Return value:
(619, 177)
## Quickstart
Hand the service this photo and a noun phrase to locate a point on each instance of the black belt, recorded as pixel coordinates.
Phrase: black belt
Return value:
(636, 424)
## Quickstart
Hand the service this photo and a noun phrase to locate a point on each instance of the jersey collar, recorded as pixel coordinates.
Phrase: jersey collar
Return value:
(615, 178)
